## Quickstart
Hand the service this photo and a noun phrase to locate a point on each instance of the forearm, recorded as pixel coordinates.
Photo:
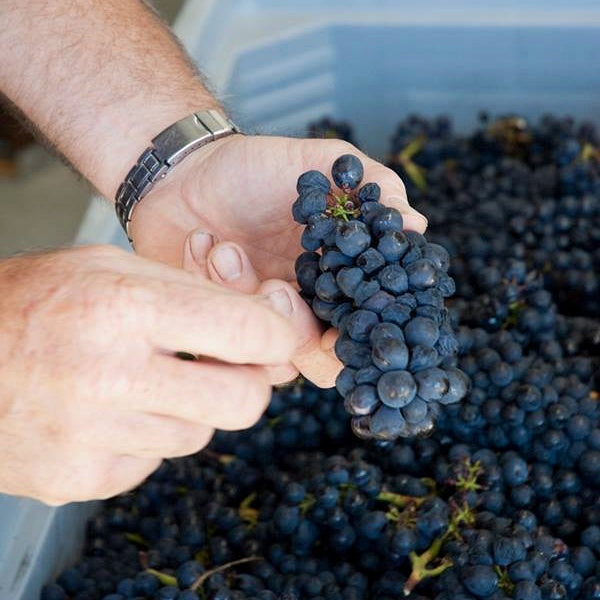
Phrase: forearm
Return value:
(98, 79)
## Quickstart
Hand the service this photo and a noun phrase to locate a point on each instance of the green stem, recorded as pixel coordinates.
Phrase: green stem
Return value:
(163, 577)
(400, 500)
(248, 514)
(419, 562)
(136, 538)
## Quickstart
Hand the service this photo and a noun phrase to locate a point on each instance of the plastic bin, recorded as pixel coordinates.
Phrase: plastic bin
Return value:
(278, 64)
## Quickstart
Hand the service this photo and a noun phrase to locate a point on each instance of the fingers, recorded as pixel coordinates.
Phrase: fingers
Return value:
(318, 365)
(310, 358)
(223, 324)
(225, 263)
(210, 394)
(196, 247)
(229, 265)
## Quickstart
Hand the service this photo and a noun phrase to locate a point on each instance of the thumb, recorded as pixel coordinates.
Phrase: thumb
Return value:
(314, 362)
(196, 247)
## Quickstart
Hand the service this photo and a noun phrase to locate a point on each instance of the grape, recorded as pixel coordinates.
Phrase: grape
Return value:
(396, 388)
(347, 172)
(352, 238)
(313, 181)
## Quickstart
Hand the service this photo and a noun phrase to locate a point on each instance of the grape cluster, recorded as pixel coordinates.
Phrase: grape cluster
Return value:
(383, 289)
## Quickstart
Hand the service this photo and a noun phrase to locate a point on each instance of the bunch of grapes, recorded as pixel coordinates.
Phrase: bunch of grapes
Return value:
(383, 289)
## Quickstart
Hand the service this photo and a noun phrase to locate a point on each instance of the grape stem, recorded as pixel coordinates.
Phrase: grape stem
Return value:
(419, 563)
(234, 563)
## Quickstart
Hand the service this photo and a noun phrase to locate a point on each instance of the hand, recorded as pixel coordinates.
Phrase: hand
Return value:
(92, 396)
(241, 189)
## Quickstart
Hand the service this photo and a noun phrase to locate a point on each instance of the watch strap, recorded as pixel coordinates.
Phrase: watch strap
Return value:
(168, 148)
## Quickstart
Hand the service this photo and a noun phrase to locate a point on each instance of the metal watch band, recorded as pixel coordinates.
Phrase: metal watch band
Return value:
(168, 148)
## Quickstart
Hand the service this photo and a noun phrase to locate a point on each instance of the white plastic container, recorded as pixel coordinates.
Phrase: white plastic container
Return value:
(278, 64)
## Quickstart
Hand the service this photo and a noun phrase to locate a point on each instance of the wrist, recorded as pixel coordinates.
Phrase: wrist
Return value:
(170, 147)
(131, 136)
(174, 203)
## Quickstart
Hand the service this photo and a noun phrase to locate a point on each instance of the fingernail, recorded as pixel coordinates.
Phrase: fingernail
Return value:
(227, 262)
(200, 244)
(281, 302)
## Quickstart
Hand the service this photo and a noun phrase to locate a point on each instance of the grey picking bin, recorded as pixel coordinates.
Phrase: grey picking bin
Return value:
(278, 64)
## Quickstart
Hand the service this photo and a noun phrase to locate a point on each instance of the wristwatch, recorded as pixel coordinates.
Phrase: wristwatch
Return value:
(168, 148)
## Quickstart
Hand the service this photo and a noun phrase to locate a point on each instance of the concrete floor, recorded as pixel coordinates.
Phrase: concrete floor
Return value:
(42, 205)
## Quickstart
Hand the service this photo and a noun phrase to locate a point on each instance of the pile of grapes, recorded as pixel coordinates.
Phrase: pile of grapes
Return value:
(501, 499)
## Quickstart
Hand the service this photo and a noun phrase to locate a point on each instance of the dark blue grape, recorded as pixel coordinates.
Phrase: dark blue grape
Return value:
(348, 280)
(369, 374)
(326, 287)
(527, 590)
(422, 274)
(396, 388)
(397, 314)
(352, 238)
(438, 255)
(423, 357)
(188, 572)
(480, 580)
(360, 324)
(364, 291)
(392, 245)
(313, 180)
(146, 584)
(388, 220)
(320, 226)
(421, 331)
(378, 301)
(389, 354)
(416, 411)
(369, 192)
(361, 400)
(168, 592)
(369, 210)
(347, 172)
(322, 309)
(387, 423)
(310, 202)
(333, 260)
(370, 260)
(393, 278)
(432, 384)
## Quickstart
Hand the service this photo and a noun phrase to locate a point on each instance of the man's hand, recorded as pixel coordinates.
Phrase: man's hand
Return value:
(92, 395)
(241, 189)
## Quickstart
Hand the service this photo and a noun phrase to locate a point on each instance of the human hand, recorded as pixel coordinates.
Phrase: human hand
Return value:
(241, 189)
(92, 396)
